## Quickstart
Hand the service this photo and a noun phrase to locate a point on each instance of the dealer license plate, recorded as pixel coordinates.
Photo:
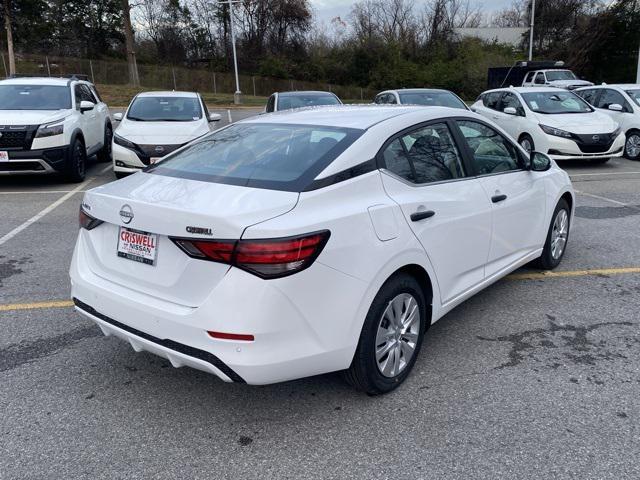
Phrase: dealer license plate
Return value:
(138, 246)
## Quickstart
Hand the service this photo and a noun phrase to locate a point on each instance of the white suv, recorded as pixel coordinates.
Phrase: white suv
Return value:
(52, 125)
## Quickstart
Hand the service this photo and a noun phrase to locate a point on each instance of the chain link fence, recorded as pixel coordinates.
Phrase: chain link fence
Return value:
(175, 78)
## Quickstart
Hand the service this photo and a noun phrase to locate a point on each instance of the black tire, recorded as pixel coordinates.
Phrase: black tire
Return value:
(600, 160)
(524, 139)
(77, 161)
(364, 373)
(633, 136)
(547, 261)
(120, 175)
(104, 154)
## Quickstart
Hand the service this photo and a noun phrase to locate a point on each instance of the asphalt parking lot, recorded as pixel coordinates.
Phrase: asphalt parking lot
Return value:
(536, 377)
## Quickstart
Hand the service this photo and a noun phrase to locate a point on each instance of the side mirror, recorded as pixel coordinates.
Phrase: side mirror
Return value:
(118, 116)
(214, 117)
(85, 106)
(616, 107)
(510, 111)
(539, 162)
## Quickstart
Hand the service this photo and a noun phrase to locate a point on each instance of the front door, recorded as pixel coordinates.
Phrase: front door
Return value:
(517, 195)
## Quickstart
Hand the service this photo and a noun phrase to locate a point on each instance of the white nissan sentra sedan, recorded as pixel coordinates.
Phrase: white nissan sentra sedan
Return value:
(315, 240)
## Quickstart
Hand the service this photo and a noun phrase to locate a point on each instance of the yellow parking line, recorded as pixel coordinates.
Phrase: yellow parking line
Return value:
(573, 273)
(514, 276)
(31, 306)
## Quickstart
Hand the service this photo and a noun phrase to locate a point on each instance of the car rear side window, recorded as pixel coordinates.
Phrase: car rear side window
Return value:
(425, 155)
(492, 100)
(262, 155)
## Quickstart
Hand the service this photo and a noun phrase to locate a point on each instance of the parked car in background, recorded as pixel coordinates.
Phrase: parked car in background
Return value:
(555, 77)
(52, 125)
(556, 122)
(622, 103)
(430, 97)
(316, 240)
(156, 124)
(287, 100)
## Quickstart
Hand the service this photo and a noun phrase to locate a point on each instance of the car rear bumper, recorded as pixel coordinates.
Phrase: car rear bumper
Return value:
(48, 160)
(297, 332)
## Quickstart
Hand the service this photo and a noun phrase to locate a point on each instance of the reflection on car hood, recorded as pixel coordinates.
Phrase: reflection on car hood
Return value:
(31, 117)
(594, 122)
(165, 133)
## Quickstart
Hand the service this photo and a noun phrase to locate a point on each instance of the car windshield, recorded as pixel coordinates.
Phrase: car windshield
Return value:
(556, 102)
(635, 95)
(286, 102)
(433, 99)
(165, 109)
(560, 75)
(34, 97)
(276, 156)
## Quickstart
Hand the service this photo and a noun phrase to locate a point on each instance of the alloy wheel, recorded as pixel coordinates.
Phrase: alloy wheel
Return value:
(559, 234)
(632, 148)
(397, 335)
(526, 144)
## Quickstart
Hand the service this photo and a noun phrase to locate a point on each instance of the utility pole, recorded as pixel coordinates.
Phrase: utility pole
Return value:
(533, 17)
(237, 96)
(7, 24)
(638, 73)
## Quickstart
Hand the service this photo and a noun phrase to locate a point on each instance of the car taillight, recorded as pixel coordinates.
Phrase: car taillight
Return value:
(266, 258)
(87, 221)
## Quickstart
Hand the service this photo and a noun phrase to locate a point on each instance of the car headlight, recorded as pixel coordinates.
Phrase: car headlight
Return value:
(123, 142)
(49, 130)
(616, 132)
(556, 132)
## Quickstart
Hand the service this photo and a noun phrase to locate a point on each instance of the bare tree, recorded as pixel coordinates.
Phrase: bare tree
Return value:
(513, 16)
(134, 79)
(7, 24)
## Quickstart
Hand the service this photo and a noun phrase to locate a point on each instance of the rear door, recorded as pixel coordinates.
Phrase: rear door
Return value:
(512, 124)
(517, 194)
(448, 211)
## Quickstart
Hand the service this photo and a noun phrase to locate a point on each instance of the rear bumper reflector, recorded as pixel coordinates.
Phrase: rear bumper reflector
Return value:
(232, 336)
(166, 343)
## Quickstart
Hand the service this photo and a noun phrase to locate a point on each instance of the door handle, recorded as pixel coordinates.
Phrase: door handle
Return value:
(417, 216)
(498, 198)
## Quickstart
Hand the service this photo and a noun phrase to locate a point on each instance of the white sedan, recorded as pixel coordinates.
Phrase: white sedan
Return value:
(316, 240)
(154, 125)
(553, 121)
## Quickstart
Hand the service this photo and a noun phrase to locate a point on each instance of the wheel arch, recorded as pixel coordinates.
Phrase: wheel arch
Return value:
(77, 133)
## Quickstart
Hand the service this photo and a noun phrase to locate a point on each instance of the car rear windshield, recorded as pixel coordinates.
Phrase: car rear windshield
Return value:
(556, 102)
(275, 156)
(34, 97)
(432, 99)
(286, 102)
(560, 75)
(165, 109)
(635, 95)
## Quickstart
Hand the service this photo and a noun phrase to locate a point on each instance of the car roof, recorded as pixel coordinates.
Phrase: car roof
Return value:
(418, 90)
(304, 92)
(349, 116)
(614, 85)
(167, 94)
(39, 81)
(528, 89)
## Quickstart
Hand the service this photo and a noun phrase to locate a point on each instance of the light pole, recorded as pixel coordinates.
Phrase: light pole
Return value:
(533, 16)
(237, 96)
(638, 73)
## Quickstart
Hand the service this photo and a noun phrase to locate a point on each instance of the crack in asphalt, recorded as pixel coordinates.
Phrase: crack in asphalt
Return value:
(23, 352)
(582, 350)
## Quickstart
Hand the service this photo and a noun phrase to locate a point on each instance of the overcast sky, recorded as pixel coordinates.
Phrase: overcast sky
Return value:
(328, 9)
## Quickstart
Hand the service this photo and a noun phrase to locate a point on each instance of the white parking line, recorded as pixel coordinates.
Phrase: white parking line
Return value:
(41, 214)
(610, 200)
(601, 174)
